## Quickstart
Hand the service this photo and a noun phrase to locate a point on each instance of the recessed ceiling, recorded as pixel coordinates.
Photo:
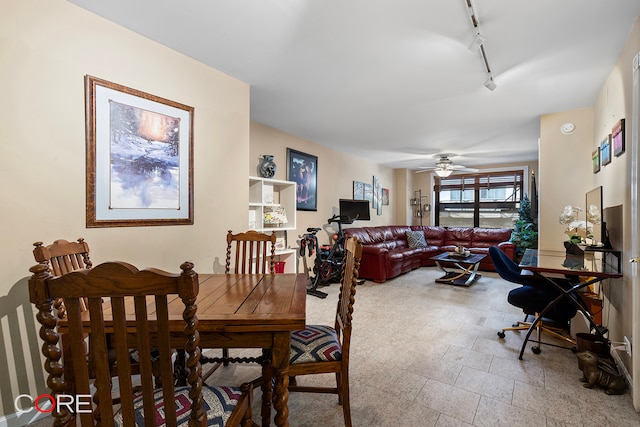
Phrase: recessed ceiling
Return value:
(394, 81)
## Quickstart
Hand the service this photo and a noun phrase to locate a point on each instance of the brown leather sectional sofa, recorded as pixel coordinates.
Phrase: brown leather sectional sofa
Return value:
(386, 252)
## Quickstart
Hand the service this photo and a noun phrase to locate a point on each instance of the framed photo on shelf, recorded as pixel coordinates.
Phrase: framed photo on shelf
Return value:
(139, 167)
(595, 160)
(605, 151)
(303, 169)
(617, 137)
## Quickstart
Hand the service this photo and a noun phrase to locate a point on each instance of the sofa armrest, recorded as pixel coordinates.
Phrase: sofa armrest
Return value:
(373, 263)
(508, 248)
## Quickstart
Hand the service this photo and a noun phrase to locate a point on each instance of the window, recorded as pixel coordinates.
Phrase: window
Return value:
(489, 200)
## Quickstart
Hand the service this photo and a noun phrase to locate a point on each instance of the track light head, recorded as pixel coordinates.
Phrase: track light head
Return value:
(478, 40)
(490, 84)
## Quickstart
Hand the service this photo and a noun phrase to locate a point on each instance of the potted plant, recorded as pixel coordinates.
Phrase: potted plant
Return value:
(525, 233)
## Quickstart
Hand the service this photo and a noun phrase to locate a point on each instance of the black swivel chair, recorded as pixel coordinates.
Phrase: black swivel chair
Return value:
(532, 297)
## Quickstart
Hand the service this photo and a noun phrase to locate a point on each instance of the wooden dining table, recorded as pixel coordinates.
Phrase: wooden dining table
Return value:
(253, 311)
(248, 311)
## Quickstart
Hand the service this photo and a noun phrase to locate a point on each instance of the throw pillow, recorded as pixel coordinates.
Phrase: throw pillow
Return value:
(415, 239)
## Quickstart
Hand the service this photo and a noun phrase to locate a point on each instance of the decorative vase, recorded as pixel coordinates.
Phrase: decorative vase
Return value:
(573, 249)
(267, 166)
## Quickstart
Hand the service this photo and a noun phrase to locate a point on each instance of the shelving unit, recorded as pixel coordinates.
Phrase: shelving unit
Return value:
(267, 195)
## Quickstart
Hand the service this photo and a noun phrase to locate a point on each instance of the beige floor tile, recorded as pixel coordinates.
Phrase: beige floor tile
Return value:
(449, 400)
(426, 354)
(486, 384)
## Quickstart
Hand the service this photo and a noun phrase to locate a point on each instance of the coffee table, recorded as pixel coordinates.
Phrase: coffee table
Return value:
(467, 266)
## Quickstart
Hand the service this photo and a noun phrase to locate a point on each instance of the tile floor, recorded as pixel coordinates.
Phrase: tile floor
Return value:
(427, 354)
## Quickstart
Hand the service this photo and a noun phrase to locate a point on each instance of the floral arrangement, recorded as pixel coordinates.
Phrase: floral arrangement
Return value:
(579, 230)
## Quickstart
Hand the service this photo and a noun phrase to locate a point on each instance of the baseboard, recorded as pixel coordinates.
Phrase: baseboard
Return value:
(623, 369)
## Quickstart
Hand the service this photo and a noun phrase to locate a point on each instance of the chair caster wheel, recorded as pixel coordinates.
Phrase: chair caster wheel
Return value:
(501, 334)
(536, 350)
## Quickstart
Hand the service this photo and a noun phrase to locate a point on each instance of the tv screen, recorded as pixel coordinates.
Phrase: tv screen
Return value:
(355, 209)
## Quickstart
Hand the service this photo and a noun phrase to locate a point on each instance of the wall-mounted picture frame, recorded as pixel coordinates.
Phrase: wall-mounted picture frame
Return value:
(376, 192)
(385, 197)
(139, 166)
(595, 160)
(605, 151)
(358, 190)
(303, 169)
(617, 138)
(368, 193)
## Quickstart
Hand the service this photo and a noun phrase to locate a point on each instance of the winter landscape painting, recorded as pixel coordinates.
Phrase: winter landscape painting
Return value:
(139, 159)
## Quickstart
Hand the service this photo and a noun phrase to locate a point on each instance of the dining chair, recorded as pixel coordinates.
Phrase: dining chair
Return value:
(254, 253)
(320, 349)
(533, 295)
(132, 306)
(63, 257)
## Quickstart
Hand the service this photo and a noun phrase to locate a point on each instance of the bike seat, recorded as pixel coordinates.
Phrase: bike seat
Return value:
(313, 230)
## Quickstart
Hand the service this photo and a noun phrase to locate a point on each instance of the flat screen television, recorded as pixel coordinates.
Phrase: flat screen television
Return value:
(355, 209)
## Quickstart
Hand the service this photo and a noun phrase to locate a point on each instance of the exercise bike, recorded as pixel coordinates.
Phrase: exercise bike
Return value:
(327, 266)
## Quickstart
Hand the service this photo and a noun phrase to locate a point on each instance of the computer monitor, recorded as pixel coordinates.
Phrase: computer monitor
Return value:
(355, 209)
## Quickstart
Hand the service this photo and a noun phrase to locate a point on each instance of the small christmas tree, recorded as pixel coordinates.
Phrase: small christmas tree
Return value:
(525, 233)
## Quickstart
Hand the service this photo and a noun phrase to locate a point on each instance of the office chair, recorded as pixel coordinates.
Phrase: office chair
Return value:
(534, 294)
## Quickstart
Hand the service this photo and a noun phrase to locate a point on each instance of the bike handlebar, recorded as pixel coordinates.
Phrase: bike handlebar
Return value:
(342, 219)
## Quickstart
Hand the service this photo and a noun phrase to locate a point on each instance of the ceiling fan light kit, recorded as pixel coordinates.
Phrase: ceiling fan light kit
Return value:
(443, 173)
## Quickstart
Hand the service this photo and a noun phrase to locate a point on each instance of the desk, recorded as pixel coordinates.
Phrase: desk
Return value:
(546, 264)
(249, 311)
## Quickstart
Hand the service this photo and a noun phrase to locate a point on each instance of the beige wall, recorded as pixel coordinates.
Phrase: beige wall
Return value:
(46, 49)
(336, 173)
(565, 171)
(566, 175)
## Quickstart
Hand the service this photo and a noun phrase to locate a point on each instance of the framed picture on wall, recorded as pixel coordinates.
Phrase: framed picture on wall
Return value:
(358, 190)
(303, 169)
(605, 151)
(617, 137)
(139, 167)
(595, 160)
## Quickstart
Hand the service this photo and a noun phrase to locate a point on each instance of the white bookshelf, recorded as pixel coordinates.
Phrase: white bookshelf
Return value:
(267, 194)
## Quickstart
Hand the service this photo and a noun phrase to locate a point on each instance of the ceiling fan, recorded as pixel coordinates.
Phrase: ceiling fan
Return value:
(444, 167)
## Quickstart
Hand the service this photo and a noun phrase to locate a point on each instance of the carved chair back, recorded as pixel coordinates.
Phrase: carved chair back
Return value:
(115, 291)
(254, 252)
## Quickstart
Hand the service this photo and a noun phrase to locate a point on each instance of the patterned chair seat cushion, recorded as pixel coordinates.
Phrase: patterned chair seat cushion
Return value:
(219, 403)
(315, 343)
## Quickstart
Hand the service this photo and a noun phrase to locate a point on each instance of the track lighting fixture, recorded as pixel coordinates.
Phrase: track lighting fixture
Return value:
(478, 40)
(489, 83)
(477, 45)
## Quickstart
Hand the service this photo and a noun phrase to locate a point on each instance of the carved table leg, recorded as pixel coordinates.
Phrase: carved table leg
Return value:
(281, 369)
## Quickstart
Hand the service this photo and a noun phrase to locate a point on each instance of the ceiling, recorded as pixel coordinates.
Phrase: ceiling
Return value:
(393, 81)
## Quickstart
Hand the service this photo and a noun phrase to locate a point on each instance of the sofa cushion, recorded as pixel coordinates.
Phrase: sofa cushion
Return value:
(458, 236)
(487, 237)
(415, 239)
